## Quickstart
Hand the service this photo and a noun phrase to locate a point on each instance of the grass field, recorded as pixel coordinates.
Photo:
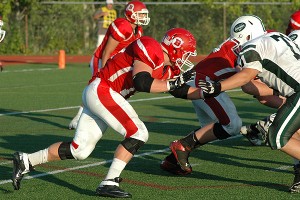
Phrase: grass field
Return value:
(37, 103)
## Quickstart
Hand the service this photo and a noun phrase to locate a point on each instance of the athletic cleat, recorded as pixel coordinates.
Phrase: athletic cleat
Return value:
(112, 190)
(170, 165)
(251, 134)
(181, 154)
(21, 166)
(295, 188)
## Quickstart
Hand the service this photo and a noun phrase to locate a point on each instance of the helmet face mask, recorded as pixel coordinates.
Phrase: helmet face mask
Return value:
(246, 28)
(2, 32)
(137, 13)
(179, 44)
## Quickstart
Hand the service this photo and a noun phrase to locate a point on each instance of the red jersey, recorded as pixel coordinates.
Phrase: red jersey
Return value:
(118, 71)
(219, 64)
(120, 30)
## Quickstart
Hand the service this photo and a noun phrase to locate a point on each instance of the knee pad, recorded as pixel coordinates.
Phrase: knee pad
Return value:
(64, 151)
(219, 132)
(132, 145)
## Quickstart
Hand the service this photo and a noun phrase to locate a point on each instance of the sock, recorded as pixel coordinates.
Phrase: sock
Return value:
(190, 141)
(38, 157)
(79, 112)
(114, 171)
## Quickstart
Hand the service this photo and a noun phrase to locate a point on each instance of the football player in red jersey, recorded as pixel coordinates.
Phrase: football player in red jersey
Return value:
(120, 34)
(217, 115)
(294, 23)
(146, 66)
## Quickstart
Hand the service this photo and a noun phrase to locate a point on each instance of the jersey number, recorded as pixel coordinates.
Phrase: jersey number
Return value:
(284, 39)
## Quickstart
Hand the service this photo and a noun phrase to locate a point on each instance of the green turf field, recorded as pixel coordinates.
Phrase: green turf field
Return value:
(37, 103)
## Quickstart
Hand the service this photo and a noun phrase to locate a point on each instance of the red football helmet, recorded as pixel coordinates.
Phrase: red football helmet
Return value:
(180, 44)
(137, 13)
(2, 32)
(294, 23)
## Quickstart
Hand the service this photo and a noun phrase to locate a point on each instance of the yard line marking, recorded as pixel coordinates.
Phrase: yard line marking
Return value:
(73, 107)
(28, 70)
(281, 168)
(100, 163)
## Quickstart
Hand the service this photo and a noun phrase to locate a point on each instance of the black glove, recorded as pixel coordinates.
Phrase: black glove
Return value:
(181, 79)
(210, 88)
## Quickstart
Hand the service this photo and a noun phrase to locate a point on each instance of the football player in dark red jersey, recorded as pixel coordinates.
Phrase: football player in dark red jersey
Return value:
(146, 66)
(217, 115)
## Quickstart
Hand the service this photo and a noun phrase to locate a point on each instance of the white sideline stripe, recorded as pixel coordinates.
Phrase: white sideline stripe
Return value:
(97, 163)
(28, 70)
(73, 107)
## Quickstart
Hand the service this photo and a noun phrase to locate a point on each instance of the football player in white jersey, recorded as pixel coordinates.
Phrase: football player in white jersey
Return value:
(2, 32)
(146, 66)
(2, 35)
(275, 59)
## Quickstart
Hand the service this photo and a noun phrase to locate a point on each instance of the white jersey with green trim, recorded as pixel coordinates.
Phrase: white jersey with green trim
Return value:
(277, 58)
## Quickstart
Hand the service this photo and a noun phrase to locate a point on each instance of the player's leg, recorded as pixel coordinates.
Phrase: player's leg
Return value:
(283, 134)
(229, 123)
(119, 115)
(94, 65)
(205, 116)
(88, 133)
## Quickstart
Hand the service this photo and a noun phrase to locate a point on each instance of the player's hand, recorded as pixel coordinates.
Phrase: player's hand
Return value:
(210, 88)
(181, 79)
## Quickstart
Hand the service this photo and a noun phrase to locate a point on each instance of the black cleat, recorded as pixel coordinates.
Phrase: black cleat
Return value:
(112, 190)
(21, 166)
(295, 188)
(252, 134)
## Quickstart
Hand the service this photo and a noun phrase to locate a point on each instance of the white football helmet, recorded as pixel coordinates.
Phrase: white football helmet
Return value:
(2, 32)
(246, 28)
(295, 37)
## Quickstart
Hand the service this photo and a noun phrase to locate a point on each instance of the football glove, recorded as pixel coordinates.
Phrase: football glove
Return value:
(181, 79)
(210, 88)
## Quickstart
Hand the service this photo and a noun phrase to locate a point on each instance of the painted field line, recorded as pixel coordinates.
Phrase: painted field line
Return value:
(73, 107)
(28, 70)
(97, 163)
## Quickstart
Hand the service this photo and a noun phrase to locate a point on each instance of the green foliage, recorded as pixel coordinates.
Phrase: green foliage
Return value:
(38, 27)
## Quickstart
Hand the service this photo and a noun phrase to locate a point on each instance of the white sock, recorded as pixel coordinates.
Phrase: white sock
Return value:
(114, 171)
(78, 113)
(38, 157)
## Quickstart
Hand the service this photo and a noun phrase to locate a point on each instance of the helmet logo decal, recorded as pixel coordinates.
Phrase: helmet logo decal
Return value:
(239, 27)
(177, 42)
(130, 7)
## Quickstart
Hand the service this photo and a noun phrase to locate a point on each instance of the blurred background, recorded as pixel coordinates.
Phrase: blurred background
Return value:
(44, 27)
